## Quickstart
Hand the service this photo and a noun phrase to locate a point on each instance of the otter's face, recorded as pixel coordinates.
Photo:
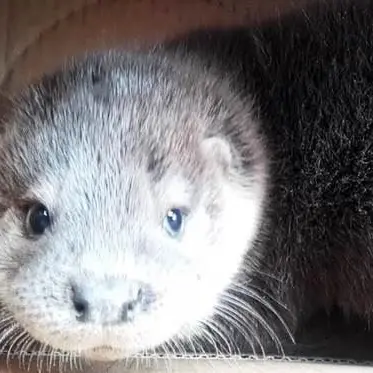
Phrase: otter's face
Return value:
(122, 222)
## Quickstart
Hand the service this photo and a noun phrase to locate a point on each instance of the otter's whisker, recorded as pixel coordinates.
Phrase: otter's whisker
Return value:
(51, 359)
(254, 295)
(235, 301)
(19, 344)
(192, 336)
(40, 357)
(210, 338)
(253, 269)
(180, 349)
(76, 361)
(170, 344)
(243, 289)
(253, 313)
(23, 351)
(241, 324)
(12, 342)
(167, 360)
(227, 313)
(216, 328)
(6, 336)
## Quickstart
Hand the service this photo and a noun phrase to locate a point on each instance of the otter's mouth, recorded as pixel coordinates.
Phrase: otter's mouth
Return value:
(105, 352)
(103, 348)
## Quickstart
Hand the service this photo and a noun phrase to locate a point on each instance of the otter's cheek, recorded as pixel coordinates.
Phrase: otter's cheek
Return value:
(191, 299)
(41, 302)
(36, 299)
(16, 251)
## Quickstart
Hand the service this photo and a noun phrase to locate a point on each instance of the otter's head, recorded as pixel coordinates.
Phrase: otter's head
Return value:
(126, 206)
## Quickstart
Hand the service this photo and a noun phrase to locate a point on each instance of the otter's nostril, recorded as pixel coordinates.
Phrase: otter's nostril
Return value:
(80, 304)
(128, 309)
(130, 306)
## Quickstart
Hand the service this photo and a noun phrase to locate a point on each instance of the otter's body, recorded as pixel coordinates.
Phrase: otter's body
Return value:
(260, 139)
(310, 76)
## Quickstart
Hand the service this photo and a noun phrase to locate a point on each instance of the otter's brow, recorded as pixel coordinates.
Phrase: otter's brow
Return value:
(156, 165)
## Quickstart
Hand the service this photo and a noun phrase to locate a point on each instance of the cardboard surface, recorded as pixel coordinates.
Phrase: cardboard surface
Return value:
(184, 365)
(38, 34)
(35, 37)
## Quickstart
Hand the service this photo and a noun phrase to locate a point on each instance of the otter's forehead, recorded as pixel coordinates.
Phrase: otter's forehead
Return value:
(122, 112)
(137, 99)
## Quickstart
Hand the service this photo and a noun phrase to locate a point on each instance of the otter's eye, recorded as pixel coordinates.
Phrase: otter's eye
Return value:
(174, 222)
(38, 219)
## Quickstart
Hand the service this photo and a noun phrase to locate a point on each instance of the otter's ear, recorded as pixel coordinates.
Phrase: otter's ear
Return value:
(218, 150)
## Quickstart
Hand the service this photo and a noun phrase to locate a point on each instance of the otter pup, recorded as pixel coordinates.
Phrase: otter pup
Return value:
(212, 192)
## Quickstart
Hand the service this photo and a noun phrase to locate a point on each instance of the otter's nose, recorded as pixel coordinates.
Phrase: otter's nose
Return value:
(109, 302)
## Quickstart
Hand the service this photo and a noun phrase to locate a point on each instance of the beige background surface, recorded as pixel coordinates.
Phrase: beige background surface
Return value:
(36, 35)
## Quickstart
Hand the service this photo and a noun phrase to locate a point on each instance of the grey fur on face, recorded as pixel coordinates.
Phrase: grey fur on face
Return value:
(217, 188)
(109, 146)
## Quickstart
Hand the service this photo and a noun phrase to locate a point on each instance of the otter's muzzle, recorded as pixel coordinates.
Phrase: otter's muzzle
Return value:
(110, 301)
